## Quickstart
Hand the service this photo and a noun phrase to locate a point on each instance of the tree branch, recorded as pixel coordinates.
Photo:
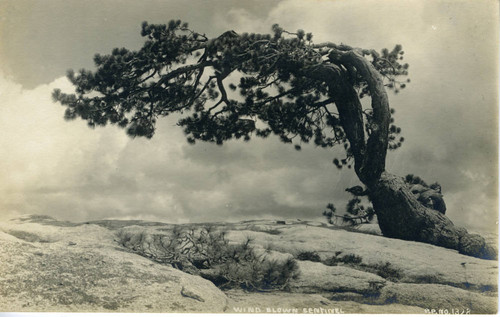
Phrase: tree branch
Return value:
(182, 70)
(222, 89)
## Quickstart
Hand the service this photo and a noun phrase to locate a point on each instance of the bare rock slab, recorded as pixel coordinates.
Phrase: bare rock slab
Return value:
(416, 262)
(52, 268)
(439, 298)
(317, 277)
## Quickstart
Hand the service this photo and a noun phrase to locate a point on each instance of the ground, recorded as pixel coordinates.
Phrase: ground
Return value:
(50, 265)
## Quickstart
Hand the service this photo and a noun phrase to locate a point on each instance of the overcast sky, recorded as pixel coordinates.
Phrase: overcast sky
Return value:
(63, 169)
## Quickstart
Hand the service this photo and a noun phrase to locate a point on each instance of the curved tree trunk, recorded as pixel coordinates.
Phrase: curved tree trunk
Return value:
(399, 213)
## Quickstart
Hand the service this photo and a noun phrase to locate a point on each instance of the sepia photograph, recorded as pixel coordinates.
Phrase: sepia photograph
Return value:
(249, 157)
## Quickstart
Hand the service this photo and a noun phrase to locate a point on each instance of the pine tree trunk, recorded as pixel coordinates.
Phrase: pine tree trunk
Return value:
(401, 215)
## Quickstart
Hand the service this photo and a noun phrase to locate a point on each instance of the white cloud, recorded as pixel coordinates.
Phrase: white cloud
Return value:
(40, 151)
(69, 171)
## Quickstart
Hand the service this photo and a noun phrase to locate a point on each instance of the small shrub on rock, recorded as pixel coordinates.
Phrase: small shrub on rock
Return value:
(351, 258)
(207, 252)
(346, 259)
(388, 271)
(309, 256)
(255, 274)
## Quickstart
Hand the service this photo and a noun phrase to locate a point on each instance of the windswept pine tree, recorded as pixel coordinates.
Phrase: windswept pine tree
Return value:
(288, 86)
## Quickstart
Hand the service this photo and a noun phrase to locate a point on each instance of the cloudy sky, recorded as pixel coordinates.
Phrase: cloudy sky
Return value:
(48, 166)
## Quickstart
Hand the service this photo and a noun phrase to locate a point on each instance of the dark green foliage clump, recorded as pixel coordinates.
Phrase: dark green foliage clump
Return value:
(207, 252)
(309, 256)
(254, 273)
(387, 271)
(355, 213)
(345, 259)
(351, 258)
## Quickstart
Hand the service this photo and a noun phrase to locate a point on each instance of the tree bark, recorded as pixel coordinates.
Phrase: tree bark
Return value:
(399, 213)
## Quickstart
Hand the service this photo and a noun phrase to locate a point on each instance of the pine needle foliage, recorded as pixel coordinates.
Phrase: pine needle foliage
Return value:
(207, 252)
(271, 89)
(355, 213)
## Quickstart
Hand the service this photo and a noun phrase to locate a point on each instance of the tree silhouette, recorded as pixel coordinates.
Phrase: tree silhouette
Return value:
(245, 85)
